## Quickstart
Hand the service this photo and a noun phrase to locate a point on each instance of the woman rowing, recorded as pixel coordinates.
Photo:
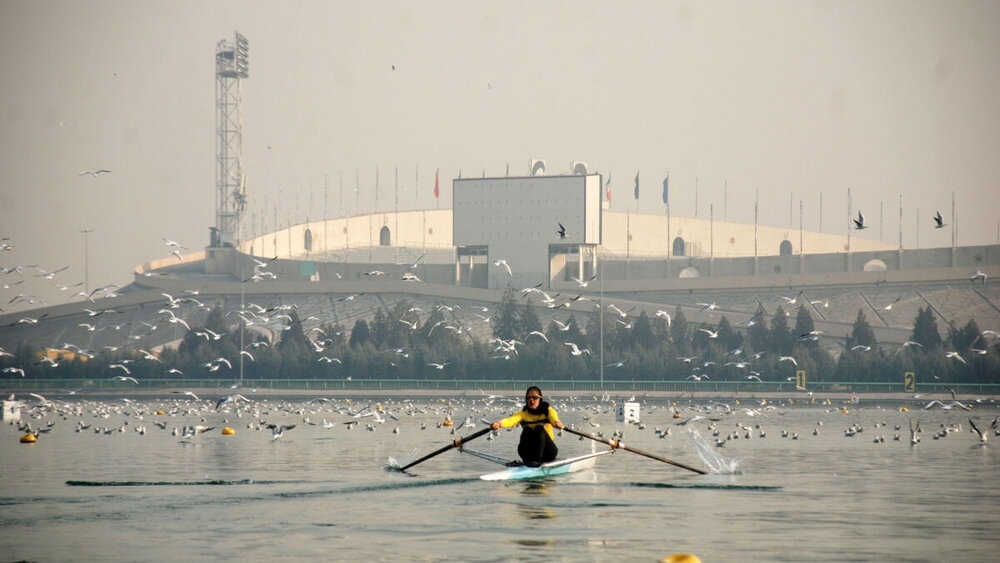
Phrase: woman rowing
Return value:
(537, 445)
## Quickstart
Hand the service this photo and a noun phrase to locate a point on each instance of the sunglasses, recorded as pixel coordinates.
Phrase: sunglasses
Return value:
(529, 397)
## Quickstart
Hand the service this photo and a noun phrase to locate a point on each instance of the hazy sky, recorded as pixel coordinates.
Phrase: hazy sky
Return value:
(796, 99)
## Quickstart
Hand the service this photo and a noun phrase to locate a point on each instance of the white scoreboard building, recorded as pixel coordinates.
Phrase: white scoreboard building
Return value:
(515, 222)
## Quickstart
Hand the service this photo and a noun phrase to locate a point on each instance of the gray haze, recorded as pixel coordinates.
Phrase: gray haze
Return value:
(796, 99)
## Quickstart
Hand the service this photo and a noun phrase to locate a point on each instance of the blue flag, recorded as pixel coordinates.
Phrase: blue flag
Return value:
(665, 182)
(637, 184)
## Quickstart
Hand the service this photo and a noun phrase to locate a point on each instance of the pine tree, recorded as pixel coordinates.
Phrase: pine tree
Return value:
(925, 329)
(360, 335)
(862, 333)
(505, 321)
(782, 340)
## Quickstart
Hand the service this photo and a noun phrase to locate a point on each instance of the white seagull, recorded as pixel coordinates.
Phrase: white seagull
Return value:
(277, 431)
(502, 262)
(94, 173)
(575, 350)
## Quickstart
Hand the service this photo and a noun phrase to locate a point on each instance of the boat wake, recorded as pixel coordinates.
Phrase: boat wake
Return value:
(214, 482)
(718, 463)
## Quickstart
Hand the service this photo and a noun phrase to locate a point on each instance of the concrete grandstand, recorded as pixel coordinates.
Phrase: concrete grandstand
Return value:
(340, 270)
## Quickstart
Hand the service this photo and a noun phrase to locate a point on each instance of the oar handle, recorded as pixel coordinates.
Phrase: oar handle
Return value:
(618, 444)
(472, 436)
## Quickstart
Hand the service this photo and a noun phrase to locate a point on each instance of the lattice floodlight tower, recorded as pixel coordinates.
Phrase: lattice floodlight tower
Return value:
(231, 68)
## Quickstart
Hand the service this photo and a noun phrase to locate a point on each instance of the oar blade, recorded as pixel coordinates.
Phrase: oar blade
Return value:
(472, 436)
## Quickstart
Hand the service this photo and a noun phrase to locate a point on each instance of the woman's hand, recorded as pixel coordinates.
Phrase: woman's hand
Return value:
(495, 425)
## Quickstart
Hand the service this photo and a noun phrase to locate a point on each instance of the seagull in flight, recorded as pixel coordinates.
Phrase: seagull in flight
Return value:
(788, 359)
(978, 275)
(982, 435)
(94, 173)
(583, 283)
(955, 355)
(277, 431)
(562, 231)
(859, 223)
(189, 432)
(502, 262)
(575, 350)
(939, 221)
(710, 333)
(664, 315)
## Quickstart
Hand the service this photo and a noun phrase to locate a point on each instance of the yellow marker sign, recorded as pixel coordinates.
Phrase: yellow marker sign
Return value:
(800, 378)
(909, 382)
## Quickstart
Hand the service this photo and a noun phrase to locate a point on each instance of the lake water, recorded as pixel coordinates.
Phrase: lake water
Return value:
(325, 494)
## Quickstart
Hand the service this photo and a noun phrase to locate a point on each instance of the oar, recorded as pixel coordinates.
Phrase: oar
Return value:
(472, 436)
(617, 444)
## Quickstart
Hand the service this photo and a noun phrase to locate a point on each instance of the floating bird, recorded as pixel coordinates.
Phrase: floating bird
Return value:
(859, 223)
(189, 432)
(939, 221)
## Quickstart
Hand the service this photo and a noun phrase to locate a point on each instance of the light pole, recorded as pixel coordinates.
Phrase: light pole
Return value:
(86, 261)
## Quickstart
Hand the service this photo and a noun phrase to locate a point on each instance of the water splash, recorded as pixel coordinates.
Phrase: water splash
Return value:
(392, 464)
(717, 462)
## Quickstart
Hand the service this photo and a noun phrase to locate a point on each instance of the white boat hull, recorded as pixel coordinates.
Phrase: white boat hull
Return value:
(551, 469)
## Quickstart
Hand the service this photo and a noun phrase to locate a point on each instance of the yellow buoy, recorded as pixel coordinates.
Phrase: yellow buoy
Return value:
(159, 411)
(447, 422)
(227, 431)
(791, 401)
(28, 439)
(845, 411)
(677, 414)
(737, 401)
(681, 558)
(378, 406)
(347, 400)
(904, 409)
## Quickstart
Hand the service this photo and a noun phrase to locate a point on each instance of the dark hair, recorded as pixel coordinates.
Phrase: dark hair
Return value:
(533, 388)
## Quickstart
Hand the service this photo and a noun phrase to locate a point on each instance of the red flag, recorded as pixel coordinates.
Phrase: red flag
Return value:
(437, 190)
(608, 186)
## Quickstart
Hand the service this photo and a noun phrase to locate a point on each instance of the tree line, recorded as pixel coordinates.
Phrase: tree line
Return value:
(398, 344)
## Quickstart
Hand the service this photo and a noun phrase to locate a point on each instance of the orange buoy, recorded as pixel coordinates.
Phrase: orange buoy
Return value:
(159, 411)
(677, 414)
(28, 439)
(447, 422)
(227, 431)
(681, 558)
(904, 409)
